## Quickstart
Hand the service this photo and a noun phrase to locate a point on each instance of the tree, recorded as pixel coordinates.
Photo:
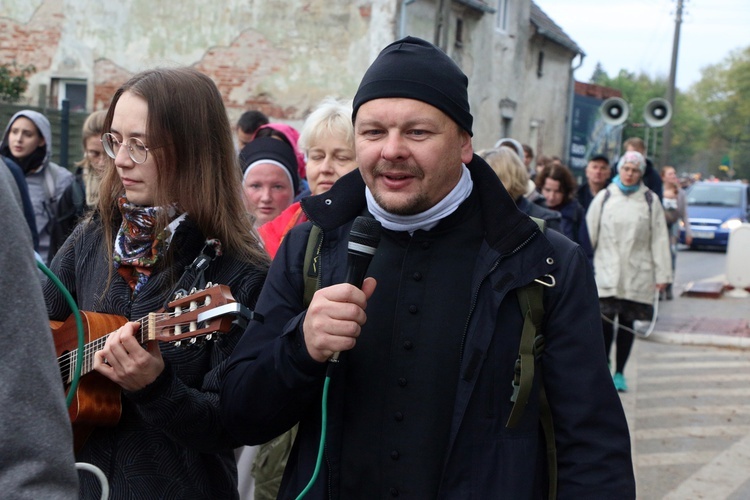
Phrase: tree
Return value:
(723, 94)
(598, 73)
(13, 81)
(689, 131)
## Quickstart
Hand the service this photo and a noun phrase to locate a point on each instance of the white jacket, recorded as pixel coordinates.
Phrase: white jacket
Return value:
(631, 244)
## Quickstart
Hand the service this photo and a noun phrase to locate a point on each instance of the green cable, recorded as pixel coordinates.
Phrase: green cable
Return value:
(79, 326)
(321, 448)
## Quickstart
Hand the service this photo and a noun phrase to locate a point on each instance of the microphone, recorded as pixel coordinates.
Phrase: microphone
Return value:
(363, 242)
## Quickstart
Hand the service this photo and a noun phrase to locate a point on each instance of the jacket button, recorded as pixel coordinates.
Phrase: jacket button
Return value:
(395, 455)
(413, 309)
(394, 492)
(417, 276)
(398, 416)
(408, 345)
(402, 382)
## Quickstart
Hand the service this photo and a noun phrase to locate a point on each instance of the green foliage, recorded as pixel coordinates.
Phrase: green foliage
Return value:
(598, 74)
(723, 94)
(13, 81)
(693, 141)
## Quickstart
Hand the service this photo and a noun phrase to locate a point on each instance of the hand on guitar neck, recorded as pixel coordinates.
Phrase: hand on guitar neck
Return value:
(125, 362)
(201, 315)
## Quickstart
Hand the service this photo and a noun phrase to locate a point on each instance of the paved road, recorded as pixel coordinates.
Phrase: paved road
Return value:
(689, 400)
(689, 413)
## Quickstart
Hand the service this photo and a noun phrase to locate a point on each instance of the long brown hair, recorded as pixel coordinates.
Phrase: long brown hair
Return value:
(197, 167)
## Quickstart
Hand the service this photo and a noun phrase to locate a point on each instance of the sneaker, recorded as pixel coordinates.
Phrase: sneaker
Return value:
(620, 384)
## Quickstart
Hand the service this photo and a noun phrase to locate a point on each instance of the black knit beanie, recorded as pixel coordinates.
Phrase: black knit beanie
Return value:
(268, 148)
(416, 69)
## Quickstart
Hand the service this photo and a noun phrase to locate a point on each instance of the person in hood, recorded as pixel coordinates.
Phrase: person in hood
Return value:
(27, 141)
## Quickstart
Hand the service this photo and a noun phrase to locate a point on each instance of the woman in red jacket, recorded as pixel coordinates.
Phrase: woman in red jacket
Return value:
(327, 141)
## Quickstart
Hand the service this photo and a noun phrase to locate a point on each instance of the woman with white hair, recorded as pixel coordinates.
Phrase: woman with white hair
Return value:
(327, 140)
(631, 255)
(514, 177)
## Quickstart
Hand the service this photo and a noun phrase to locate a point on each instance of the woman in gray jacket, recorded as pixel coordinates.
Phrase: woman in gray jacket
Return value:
(27, 141)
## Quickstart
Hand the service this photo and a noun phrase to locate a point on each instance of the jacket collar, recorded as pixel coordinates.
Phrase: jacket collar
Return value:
(506, 227)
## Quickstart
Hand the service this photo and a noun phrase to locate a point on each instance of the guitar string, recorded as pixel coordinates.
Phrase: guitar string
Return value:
(70, 357)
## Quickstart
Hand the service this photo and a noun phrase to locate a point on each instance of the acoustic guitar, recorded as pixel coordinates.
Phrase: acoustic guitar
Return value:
(188, 319)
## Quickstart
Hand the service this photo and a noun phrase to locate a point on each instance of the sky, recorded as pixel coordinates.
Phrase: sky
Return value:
(637, 35)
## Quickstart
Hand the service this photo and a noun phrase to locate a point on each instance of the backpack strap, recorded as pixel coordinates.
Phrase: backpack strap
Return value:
(531, 302)
(532, 307)
(311, 266)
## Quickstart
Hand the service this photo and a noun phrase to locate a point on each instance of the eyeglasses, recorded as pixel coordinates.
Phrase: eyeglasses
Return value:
(137, 151)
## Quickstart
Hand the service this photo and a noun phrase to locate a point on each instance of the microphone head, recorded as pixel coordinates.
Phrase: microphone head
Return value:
(364, 235)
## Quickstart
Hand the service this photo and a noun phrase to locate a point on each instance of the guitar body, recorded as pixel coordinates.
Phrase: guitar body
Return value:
(97, 400)
(189, 318)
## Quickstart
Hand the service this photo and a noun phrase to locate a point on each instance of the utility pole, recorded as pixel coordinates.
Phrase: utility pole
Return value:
(666, 138)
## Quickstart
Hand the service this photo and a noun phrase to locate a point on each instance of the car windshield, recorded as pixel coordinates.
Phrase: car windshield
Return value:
(718, 195)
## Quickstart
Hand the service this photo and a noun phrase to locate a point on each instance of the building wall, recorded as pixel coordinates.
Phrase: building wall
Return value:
(279, 56)
(284, 56)
(547, 97)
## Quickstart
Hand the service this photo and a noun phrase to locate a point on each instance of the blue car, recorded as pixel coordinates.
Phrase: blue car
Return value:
(714, 210)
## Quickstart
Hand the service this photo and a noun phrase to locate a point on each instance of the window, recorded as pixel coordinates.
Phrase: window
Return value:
(459, 33)
(540, 64)
(501, 19)
(72, 90)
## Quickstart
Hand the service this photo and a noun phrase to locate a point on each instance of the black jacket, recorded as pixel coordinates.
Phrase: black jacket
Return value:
(271, 382)
(169, 442)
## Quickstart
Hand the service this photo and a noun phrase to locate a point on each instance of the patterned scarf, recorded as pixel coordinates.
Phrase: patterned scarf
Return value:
(137, 247)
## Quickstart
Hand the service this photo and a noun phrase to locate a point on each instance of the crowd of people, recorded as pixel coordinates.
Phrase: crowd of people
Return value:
(423, 403)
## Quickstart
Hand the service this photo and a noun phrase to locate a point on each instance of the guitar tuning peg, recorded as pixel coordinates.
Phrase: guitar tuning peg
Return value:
(194, 341)
(178, 343)
(210, 336)
(209, 285)
(193, 290)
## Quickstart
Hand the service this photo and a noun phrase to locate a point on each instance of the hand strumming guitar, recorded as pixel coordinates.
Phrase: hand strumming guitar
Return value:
(124, 361)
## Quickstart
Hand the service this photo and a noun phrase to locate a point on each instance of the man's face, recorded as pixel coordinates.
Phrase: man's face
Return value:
(527, 158)
(632, 147)
(243, 138)
(409, 153)
(597, 172)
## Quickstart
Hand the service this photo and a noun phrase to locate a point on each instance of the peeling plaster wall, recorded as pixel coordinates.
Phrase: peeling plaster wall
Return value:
(284, 56)
(279, 56)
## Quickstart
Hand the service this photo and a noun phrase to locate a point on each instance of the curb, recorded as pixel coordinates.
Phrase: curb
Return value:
(710, 339)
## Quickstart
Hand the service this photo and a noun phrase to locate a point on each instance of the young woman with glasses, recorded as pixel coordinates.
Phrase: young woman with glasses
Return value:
(171, 194)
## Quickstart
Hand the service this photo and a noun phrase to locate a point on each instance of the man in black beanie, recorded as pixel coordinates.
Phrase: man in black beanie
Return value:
(420, 401)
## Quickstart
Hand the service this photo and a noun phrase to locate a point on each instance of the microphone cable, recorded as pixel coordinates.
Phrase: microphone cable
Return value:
(79, 327)
(636, 331)
(78, 366)
(323, 426)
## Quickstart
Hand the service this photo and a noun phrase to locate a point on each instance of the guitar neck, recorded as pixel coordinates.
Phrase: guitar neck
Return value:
(143, 335)
(190, 318)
